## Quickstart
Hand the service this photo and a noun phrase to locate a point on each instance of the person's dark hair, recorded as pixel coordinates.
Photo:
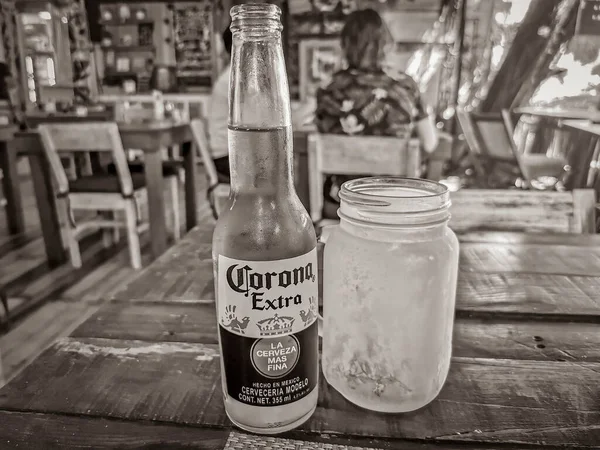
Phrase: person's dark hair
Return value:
(364, 38)
(227, 39)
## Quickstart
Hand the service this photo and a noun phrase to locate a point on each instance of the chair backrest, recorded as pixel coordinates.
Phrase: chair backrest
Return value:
(491, 136)
(509, 126)
(519, 210)
(494, 140)
(508, 122)
(331, 154)
(88, 137)
(466, 124)
(201, 140)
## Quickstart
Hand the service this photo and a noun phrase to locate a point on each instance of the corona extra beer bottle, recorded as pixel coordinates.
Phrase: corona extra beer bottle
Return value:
(264, 245)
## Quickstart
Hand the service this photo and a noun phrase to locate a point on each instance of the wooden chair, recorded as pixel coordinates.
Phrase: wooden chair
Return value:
(2, 380)
(4, 301)
(218, 189)
(122, 192)
(333, 154)
(172, 170)
(520, 210)
(490, 138)
(477, 157)
(3, 201)
(532, 166)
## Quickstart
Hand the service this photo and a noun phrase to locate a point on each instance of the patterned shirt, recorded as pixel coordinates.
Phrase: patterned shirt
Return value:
(357, 102)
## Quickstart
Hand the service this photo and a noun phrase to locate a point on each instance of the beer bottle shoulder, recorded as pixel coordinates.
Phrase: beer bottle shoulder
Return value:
(269, 233)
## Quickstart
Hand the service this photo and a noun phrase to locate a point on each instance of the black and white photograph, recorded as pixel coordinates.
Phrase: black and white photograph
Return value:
(300, 224)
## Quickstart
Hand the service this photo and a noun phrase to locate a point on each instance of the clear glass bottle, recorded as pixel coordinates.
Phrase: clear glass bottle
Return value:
(389, 287)
(264, 244)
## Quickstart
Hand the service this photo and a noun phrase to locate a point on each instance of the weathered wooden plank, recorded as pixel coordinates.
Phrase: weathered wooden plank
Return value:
(182, 273)
(483, 400)
(174, 382)
(486, 400)
(50, 284)
(17, 269)
(10, 243)
(33, 249)
(193, 322)
(527, 340)
(196, 322)
(47, 431)
(184, 279)
(507, 237)
(185, 271)
(564, 297)
(516, 210)
(530, 258)
(108, 277)
(28, 338)
(519, 294)
(299, 440)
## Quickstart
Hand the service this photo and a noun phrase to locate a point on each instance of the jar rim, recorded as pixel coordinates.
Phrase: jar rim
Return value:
(396, 199)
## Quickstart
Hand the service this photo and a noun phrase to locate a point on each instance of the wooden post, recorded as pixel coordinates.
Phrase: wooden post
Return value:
(458, 48)
(521, 57)
(562, 30)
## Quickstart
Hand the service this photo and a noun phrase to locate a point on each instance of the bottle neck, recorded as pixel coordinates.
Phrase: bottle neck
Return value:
(261, 161)
(259, 95)
(260, 135)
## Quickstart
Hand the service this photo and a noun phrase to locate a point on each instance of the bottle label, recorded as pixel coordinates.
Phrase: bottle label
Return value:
(267, 314)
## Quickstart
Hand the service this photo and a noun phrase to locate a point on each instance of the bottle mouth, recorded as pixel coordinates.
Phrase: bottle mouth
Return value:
(395, 201)
(251, 16)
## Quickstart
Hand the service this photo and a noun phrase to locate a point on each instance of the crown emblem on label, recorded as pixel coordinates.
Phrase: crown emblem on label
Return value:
(275, 325)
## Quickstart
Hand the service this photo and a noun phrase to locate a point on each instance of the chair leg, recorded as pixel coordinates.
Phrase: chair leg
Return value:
(133, 238)
(108, 233)
(4, 301)
(175, 216)
(2, 380)
(71, 232)
(116, 235)
(71, 171)
(116, 232)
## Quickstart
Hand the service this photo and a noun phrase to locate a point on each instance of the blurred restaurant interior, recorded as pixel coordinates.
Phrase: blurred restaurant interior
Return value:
(514, 87)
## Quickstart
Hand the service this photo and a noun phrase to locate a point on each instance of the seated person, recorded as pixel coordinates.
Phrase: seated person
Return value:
(218, 116)
(364, 100)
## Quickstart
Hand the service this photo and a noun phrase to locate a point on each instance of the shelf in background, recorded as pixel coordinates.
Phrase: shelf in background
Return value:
(119, 23)
(129, 48)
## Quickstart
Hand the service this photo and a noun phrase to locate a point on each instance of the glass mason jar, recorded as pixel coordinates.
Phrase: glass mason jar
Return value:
(389, 289)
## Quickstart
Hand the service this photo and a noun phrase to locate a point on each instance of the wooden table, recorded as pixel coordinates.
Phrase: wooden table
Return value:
(583, 125)
(559, 113)
(11, 185)
(152, 138)
(144, 370)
